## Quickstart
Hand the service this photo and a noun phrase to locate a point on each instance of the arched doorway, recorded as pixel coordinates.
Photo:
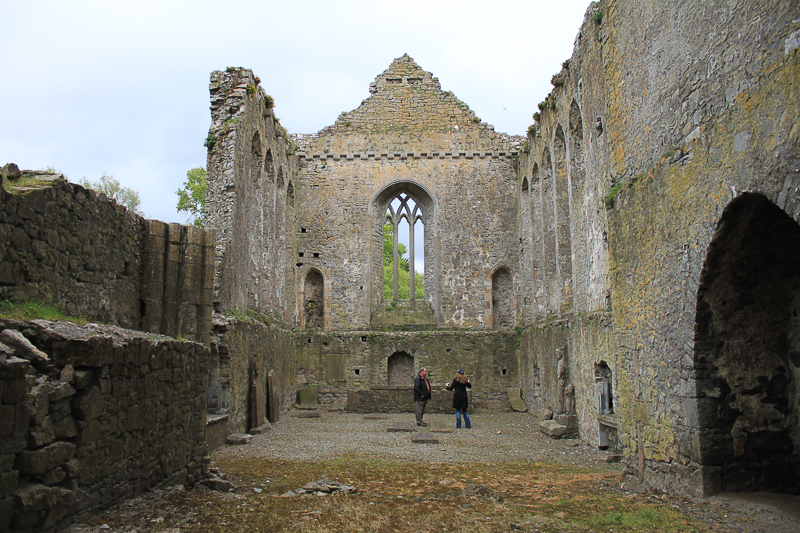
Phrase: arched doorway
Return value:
(747, 351)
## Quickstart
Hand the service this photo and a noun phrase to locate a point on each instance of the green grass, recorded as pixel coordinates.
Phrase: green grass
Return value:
(25, 181)
(37, 310)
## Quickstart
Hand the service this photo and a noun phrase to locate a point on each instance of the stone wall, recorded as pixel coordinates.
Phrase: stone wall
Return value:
(68, 245)
(93, 415)
(247, 352)
(620, 235)
(250, 198)
(65, 244)
(358, 361)
(408, 137)
(666, 118)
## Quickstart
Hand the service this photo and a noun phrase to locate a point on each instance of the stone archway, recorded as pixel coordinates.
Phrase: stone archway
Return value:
(747, 351)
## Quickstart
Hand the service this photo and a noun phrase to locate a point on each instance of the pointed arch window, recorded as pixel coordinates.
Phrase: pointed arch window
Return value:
(403, 227)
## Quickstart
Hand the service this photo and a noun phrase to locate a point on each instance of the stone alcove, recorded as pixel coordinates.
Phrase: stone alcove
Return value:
(747, 340)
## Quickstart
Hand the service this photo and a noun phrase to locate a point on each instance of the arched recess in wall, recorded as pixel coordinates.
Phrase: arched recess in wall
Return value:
(577, 176)
(256, 275)
(537, 243)
(503, 305)
(563, 224)
(747, 351)
(576, 162)
(549, 258)
(526, 242)
(290, 231)
(400, 370)
(427, 212)
(269, 246)
(280, 263)
(313, 310)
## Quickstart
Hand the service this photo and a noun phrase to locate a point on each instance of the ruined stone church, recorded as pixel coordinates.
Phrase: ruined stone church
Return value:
(631, 265)
(629, 269)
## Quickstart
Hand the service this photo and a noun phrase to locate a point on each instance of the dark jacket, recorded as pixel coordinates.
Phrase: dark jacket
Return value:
(422, 389)
(460, 398)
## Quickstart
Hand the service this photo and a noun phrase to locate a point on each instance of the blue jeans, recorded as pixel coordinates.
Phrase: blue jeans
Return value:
(466, 419)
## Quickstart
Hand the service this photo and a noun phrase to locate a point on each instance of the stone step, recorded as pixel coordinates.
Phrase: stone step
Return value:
(552, 428)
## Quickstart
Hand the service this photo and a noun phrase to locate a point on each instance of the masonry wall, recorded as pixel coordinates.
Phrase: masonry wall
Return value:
(409, 136)
(684, 109)
(63, 244)
(93, 415)
(68, 245)
(358, 361)
(248, 351)
(250, 187)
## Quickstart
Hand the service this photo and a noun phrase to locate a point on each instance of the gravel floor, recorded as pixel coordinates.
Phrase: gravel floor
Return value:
(494, 437)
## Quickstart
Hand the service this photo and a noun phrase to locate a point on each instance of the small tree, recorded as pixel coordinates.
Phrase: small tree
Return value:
(192, 198)
(111, 187)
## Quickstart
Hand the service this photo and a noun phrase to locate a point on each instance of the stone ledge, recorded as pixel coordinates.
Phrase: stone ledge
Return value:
(350, 156)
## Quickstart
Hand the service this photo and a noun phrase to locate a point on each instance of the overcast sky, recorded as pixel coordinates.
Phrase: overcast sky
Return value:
(122, 86)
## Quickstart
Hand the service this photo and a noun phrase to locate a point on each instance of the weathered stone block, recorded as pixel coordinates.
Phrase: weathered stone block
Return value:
(88, 404)
(65, 428)
(6, 512)
(54, 476)
(41, 434)
(308, 396)
(425, 437)
(6, 419)
(60, 390)
(67, 374)
(60, 409)
(40, 401)
(83, 378)
(552, 428)
(72, 468)
(12, 445)
(10, 368)
(37, 462)
(22, 347)
(38, 497)
(238, 438)
(544, 414)
(96, 351)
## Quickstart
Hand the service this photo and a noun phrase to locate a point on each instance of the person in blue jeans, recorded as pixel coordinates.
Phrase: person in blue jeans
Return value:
(460, 384)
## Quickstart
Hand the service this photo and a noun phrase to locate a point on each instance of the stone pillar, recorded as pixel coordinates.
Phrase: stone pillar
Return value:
(153, 276)
(171, 276)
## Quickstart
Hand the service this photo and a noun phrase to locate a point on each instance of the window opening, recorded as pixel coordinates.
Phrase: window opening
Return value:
(404, 267)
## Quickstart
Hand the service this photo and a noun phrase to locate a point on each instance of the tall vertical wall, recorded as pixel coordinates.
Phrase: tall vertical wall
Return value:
(250, 197)
(663, 116)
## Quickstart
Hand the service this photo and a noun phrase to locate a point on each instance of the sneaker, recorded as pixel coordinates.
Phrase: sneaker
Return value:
(423, 424)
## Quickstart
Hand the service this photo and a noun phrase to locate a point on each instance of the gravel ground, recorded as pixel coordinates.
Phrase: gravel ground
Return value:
(494, 437)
